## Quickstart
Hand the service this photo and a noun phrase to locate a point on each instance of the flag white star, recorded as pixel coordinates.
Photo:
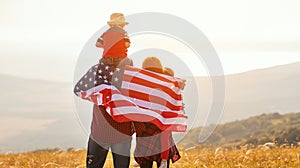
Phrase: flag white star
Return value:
(116, 79)
(111, 73)
(85, 76)
(80, 82)
(105, 81)
(117, 69)
(90, 79)
(105, 77)
(100, 77)
(95, 82)
(86, 85)
(106, 67)
(94, 73)
(100, 71)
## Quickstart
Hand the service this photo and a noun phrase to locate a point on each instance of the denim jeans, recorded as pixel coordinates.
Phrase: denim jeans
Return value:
(97, 153)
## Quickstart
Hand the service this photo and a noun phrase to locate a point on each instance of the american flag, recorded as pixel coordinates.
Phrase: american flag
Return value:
(134, 94)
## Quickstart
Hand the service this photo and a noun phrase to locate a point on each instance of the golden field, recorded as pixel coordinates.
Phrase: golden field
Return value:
(198, 157)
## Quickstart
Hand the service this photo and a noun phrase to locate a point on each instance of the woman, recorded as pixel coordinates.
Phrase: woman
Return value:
(152, 144)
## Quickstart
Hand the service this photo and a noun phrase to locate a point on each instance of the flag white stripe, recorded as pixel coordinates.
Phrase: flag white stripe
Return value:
(99, 99)
(125, 110)
(150, 105)
(118, 97)
(152, 79)
(96, 89)
(151, 91)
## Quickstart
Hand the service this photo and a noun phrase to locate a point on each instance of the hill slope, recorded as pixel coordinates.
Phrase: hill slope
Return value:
(37, 114)
(274, 89)
(254, 130)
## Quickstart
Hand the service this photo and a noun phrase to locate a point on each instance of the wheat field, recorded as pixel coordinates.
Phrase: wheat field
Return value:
(198, 157)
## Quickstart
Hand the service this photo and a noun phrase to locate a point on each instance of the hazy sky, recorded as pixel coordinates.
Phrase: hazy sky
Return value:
(43, 38)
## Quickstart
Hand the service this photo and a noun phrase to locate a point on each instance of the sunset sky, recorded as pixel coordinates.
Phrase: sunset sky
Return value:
(43, 39)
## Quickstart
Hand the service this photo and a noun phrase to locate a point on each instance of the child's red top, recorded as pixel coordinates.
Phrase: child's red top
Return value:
(113, 41)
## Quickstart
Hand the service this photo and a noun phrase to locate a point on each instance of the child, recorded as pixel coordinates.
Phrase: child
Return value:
(114, 41)
(158, 144)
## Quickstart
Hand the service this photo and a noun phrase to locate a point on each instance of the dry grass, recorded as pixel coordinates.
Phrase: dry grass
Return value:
(194, 158)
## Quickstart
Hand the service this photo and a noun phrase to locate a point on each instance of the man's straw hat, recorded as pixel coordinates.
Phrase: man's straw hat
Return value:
(117, 18)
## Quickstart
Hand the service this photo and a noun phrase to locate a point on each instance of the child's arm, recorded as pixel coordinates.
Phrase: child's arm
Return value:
(127, 40)
(99, 42)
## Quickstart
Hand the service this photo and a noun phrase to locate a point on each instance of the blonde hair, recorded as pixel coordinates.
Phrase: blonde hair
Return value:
(152, 63)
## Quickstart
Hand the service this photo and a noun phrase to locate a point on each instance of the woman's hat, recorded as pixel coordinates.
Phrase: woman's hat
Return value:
(117, 18)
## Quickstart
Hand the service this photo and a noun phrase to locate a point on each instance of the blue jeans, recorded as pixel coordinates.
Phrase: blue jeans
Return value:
(97, 153)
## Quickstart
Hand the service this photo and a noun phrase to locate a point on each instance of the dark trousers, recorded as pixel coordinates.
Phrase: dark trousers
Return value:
(149, 164)
(97, 153)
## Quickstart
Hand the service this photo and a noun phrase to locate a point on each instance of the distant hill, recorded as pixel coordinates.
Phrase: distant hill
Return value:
(37, 114)
(274, 89)
(254, 130)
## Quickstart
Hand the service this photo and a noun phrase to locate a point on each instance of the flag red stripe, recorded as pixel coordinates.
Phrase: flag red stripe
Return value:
(150, 98)
(152, 74)
(145, 118)
(150, 84)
